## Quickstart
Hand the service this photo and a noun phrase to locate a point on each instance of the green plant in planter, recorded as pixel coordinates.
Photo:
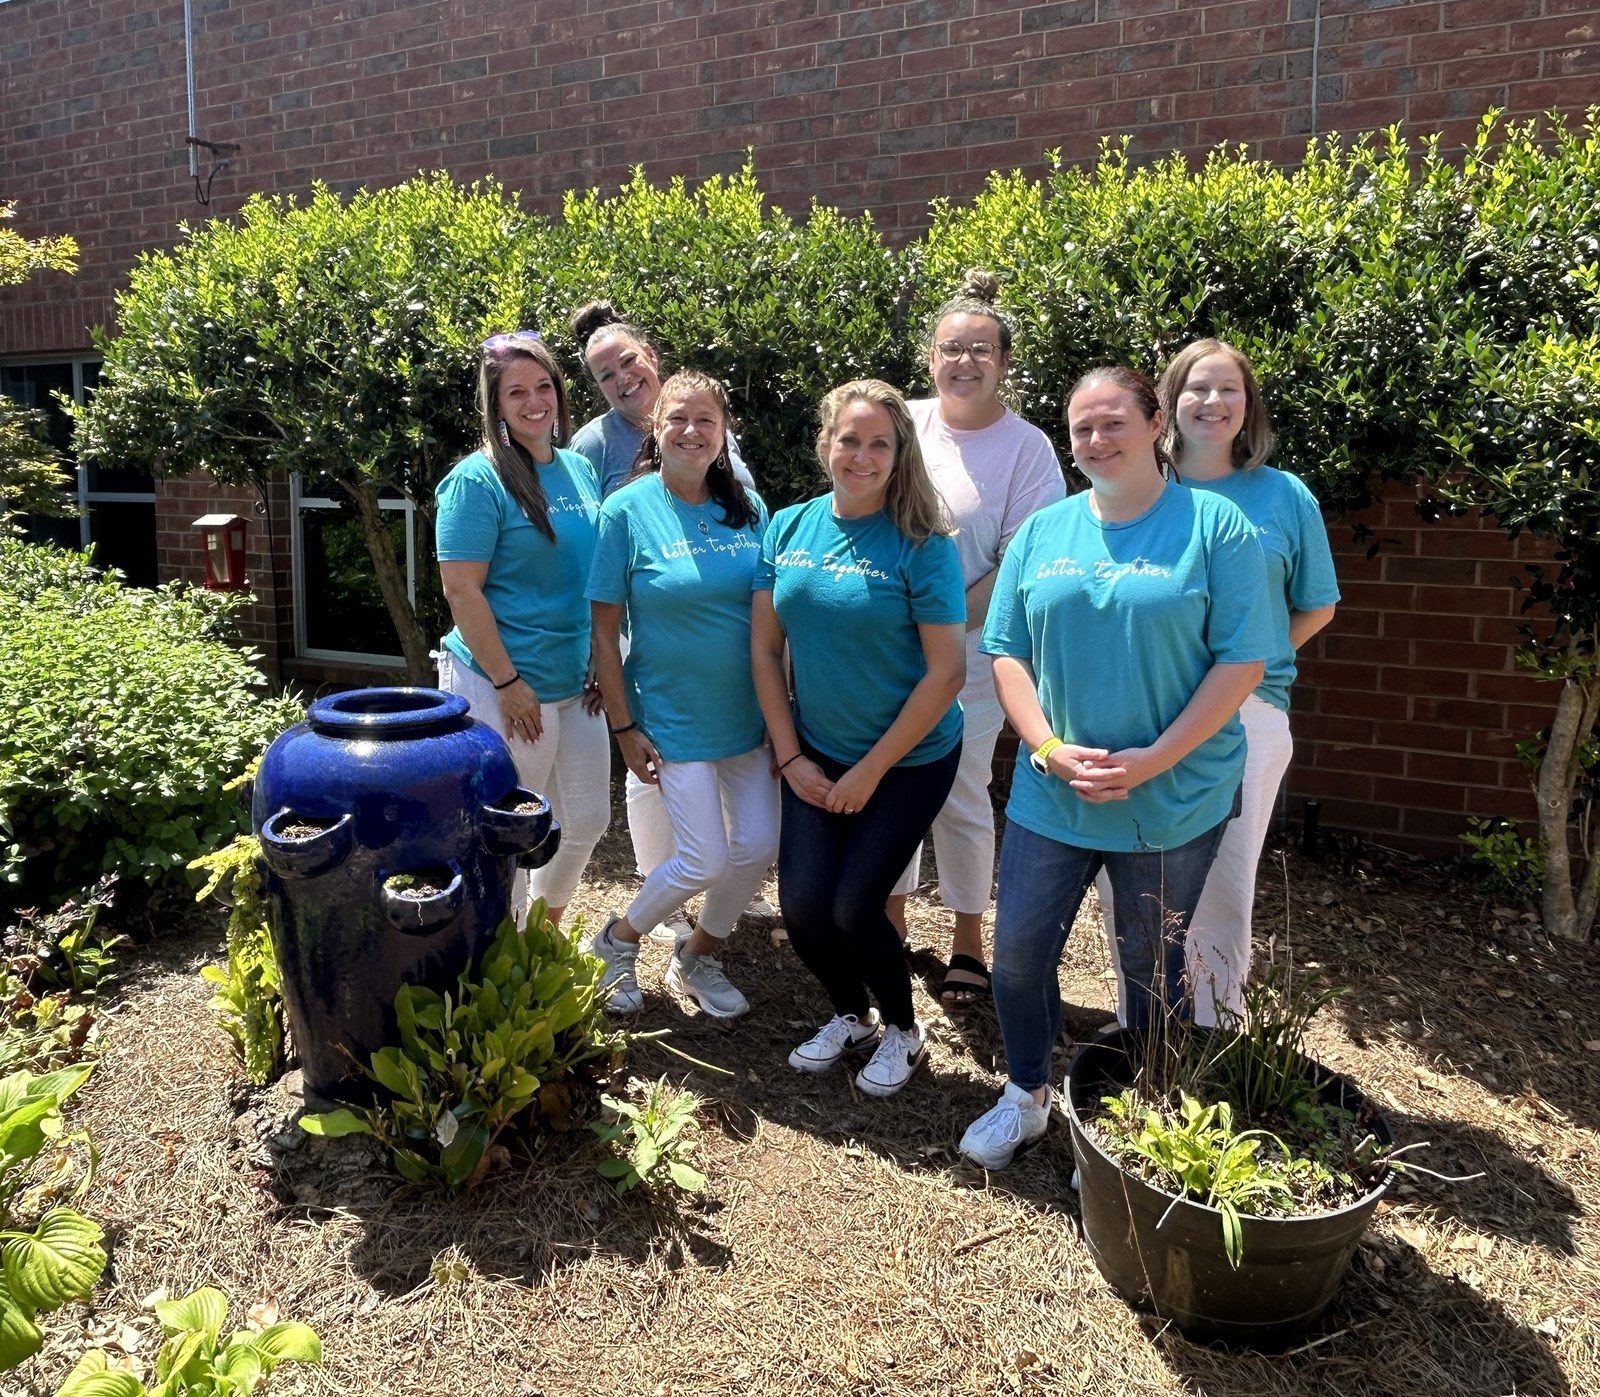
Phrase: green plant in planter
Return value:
(60, 1258)
(658, 1137)
(469, 1063)
(195, 1361)
(249, 998)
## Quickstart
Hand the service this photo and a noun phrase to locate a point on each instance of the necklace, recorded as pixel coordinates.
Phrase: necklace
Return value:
(696, 512)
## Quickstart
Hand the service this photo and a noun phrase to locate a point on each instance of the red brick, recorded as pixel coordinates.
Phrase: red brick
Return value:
(1452, 768)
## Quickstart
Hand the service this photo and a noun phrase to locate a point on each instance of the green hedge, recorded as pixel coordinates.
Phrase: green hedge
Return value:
(126, 711)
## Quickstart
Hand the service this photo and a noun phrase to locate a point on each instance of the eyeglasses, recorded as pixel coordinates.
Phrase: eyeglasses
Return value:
(511, 339)
(952, 350)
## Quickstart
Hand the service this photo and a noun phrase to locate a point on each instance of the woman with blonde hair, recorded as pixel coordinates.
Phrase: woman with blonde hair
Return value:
(516, 531)
(863, 585)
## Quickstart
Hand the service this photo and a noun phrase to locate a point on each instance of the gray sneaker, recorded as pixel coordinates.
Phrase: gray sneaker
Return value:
(671, 931)
(621, 983)
(700, 978)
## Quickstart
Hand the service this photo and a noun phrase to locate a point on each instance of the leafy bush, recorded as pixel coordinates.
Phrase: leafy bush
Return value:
(127, 711)
(194, 1361)
(779, 310)
(249, 997)
(469, 1064)
(60, 1258)
(52, 967)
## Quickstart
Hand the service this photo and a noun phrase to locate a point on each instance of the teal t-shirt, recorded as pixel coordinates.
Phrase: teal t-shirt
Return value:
(850, 594)
(1121, 622)
(534, 587)
(1299, 562)
(685, 579)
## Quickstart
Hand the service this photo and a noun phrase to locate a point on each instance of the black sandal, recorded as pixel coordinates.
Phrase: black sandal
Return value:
(964, 993)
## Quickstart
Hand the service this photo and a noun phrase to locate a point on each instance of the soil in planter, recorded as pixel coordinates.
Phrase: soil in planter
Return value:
(302, 827)
(421, 885)
(522, 807)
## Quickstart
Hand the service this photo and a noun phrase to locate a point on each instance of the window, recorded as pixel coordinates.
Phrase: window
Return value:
(339, 612)
(118, 503)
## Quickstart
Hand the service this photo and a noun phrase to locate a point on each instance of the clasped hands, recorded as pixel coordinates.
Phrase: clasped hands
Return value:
(1099, 775)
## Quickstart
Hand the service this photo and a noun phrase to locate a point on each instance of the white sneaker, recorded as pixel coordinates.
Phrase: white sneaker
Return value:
(621, 982)
(700, 978)
(671, 931)
(1015, 1121)
(899, 1054)
(760, 909)
(843, 1033)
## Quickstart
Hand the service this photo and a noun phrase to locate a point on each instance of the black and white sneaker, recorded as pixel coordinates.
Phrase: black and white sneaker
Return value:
(843, 1033)
(900, 1053)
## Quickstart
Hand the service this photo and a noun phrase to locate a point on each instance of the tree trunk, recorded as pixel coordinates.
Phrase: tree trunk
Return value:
(1568, 912)
(392, 582)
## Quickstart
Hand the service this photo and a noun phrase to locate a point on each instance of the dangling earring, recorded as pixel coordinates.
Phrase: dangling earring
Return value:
(505, 435)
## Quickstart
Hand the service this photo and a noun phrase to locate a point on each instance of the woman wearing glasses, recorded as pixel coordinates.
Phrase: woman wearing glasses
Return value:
(516, 532)
(993, 470)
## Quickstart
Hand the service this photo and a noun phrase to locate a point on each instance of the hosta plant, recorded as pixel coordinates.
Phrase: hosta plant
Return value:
(195, 1360)
(469, 1063)
(59, 1258)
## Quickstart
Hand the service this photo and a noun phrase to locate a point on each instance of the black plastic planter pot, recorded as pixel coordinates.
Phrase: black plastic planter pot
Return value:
(1291, 1267)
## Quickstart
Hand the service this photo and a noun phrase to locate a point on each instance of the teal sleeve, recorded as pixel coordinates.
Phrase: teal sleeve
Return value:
(934, 578)
(1238, 618)
(613, 547)
(1312, 582)
(467, 528)
(1005, 632)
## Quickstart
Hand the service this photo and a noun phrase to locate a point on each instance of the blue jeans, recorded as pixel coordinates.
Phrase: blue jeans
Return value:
(1042, 883)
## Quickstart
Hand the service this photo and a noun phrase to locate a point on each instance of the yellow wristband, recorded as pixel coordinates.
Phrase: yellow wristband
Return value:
(1040, 760)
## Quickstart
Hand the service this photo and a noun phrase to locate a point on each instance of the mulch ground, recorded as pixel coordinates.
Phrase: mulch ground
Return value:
(841, 1247)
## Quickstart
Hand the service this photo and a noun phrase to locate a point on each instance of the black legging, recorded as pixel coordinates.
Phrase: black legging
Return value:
(835, 874)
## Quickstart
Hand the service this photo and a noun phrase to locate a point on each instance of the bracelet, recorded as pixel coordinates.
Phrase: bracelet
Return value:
(794, 758)
(617, 732)
(514, 677)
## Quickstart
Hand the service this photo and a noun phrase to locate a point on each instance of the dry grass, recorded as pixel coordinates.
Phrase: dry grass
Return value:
(841, 1248)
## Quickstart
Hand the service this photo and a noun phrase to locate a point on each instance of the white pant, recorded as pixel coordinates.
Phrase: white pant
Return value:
(963, 831)
(723, 825)
(570, 765)
(1219, 933)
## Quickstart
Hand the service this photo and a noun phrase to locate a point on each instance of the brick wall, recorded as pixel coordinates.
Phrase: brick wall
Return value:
(1408, 707)
(861, 103)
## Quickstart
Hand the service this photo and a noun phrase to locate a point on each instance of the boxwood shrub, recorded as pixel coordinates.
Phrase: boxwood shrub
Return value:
(126, 711)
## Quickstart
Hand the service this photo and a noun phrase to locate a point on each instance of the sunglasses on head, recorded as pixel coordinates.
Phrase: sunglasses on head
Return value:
(511, 339)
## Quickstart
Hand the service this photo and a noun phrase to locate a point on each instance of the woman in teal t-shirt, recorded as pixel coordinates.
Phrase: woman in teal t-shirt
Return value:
(515, 531)
(676, 555)
(863, 585)
(1127, 626)
(1221, 437)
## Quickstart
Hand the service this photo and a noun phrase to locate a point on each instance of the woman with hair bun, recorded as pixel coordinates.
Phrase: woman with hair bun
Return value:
(516, 531)
(1220, 438)
(992, 470)
(625, 367)
(863, 587)
(1128, 624)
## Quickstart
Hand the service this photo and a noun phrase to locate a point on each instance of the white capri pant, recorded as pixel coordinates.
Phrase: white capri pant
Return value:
(1219, 933)
(963, 831)
(570, 765)
(722, 821)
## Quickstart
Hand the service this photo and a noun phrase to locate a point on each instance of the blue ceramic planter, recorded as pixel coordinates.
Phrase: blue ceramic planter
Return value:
(390, 832)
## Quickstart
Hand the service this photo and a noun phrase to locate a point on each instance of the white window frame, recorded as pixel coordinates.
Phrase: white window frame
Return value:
(298, 501)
